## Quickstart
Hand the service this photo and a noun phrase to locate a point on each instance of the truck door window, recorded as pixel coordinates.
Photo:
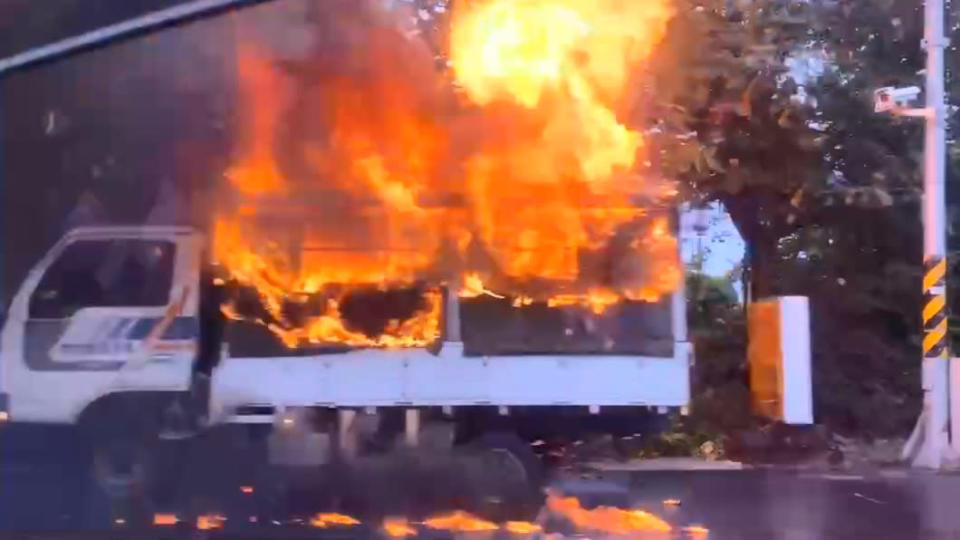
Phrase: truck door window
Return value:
(105, 273)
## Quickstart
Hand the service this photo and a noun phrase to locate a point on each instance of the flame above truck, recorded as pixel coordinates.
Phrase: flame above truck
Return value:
(517, 164)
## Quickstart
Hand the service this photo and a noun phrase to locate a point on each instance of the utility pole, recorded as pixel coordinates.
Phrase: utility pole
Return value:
(929, 445)
(936, 448)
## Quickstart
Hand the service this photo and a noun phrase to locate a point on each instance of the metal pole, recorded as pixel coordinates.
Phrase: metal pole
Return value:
(953, 392)
(935, 449)
(411, 428)
(4, 303)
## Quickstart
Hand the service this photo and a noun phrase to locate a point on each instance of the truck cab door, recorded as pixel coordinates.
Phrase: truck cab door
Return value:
(105, 312)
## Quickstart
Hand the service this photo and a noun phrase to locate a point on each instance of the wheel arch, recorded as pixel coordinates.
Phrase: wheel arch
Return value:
(124, 410)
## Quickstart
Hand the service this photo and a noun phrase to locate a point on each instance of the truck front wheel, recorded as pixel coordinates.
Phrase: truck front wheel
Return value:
(138, 475)
(132, 466)
(119, 466)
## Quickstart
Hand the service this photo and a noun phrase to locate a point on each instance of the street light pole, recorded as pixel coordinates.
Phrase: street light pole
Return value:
(935, 448)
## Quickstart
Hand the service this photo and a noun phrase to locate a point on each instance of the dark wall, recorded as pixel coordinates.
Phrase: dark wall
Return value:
(31, 23)
(92, 138)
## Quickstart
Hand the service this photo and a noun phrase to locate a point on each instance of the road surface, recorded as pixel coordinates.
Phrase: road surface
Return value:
(44, 488)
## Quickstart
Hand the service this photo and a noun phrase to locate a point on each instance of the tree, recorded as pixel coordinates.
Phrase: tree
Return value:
(823, 191)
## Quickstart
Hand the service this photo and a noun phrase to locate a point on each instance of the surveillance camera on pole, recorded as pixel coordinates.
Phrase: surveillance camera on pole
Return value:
(897, 101)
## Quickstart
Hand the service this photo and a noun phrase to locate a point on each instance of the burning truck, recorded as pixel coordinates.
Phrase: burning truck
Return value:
(405, 242)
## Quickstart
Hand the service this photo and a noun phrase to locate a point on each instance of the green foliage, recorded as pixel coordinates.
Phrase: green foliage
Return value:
(720, 394)
(823, 191)
(860, 271)
(709, 302)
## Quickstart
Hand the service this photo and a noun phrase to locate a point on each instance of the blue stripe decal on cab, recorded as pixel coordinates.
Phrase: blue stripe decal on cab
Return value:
(179, 328)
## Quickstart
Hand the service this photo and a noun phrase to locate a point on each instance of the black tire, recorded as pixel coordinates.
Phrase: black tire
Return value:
(140, 477)
(515, 474)
(119, 466)
(119, 470)
(136, 470)
(520, 450)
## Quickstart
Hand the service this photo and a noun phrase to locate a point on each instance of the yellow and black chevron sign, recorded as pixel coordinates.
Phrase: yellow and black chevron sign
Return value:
(934, 308)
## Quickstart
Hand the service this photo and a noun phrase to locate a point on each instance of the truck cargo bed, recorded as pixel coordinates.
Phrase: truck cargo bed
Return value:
(416, 377)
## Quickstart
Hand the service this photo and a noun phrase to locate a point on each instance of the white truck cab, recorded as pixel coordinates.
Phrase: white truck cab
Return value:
(106, 310)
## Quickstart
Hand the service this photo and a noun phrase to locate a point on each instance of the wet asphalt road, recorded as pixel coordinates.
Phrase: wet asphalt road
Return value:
(789, 505)
(46, 489)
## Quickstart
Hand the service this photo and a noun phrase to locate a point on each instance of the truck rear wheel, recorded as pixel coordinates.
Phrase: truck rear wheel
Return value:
(509, 476)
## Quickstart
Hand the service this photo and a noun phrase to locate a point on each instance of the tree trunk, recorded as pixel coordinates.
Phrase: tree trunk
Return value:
(763, 255)
(761, 243)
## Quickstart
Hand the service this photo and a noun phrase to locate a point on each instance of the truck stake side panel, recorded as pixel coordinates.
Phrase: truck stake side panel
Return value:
(417, 378)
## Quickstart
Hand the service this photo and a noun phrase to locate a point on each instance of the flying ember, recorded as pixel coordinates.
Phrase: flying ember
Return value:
(367, 178)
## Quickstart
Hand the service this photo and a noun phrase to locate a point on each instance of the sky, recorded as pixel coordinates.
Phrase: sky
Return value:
(710, 231)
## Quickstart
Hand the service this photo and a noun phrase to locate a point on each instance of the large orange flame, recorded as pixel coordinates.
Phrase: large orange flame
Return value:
(557, 182)
(257, 171)
(378, 172)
